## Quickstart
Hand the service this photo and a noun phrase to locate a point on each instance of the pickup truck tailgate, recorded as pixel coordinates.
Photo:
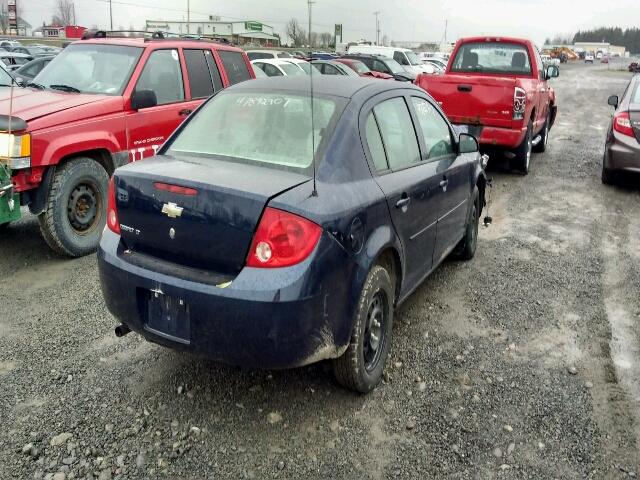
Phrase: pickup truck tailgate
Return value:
(489, 98)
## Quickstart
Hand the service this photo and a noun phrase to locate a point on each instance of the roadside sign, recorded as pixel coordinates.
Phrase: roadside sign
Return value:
(338, 32)
(253, 26)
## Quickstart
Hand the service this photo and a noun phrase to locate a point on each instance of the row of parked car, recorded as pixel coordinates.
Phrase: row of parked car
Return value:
(276, 224)
(24, 62)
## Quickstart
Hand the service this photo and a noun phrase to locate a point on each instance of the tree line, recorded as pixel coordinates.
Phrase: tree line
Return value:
(299, 36)
(628, 38)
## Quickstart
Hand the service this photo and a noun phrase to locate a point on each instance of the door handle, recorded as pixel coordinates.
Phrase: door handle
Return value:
(184, 112)
(404, 201)
(443, 184)
(465, 88)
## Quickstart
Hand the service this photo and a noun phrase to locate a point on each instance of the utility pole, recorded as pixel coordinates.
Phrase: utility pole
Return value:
(188, 16)
(310, 3)
(111, 14)
(377, 28)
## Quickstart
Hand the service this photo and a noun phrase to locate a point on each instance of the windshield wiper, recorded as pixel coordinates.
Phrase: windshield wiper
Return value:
(65, 88)
(36, 85)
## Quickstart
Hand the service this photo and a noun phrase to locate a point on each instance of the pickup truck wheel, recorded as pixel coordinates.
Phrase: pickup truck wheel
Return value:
(361, 366)
(466, 249)
(75, 213)
(542, 146)
(522, 157)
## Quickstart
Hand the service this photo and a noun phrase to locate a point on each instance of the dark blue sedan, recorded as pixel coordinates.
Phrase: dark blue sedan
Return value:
(263, 237)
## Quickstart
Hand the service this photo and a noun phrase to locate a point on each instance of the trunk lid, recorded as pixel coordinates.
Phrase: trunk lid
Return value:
(211, 230)
(490, 98)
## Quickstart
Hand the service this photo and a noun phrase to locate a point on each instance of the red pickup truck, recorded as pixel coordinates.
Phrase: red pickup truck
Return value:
(104, 101)
(498, 88)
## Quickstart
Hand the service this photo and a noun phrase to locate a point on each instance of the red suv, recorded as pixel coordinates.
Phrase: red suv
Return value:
(101, 103)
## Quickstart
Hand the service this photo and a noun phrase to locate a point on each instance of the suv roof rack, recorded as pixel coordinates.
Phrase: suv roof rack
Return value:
(149, 36)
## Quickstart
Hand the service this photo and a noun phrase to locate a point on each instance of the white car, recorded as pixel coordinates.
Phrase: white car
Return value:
(260, 54)
(405, 57)
(438, 62)
(304, 65)
(588, 58)
(276, 67)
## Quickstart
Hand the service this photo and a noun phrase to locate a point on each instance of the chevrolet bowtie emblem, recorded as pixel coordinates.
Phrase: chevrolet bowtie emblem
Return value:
(172, 210)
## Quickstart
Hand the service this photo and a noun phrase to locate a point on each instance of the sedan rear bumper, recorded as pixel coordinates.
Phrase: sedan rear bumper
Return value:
(266, 318)
(622, 153)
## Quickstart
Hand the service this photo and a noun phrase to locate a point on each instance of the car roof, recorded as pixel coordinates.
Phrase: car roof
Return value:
(267, 51)
(273, 61)
(165, 42)
(325, 85)
(14, 55)
(367, 55)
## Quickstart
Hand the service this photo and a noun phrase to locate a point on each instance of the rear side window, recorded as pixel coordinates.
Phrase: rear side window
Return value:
(330, 70)
(374, 140)
(163, 75)
(400, 58)
(235, 66)
(213, 68)
(398, 134)
(435, 130)
(492, 57)
(199, 75)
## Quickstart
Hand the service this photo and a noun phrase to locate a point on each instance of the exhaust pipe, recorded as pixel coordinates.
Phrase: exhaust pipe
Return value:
(122, 330)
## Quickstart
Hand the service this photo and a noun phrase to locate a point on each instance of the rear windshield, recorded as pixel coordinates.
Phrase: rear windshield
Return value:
(635, 98)
(492, 57)
(359, 67)
(259, 55)
(269, 129)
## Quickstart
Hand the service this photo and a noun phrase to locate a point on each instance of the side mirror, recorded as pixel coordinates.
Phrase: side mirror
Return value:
(552, 71)
(143, 99)
(468, 143)
(614, 101)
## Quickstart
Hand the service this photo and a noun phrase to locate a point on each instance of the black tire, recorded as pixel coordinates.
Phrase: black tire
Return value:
(360, 368)
(522, 158)
(542, 146)
(75, 213)
(4, 226)
(466, 249)
(608, 176)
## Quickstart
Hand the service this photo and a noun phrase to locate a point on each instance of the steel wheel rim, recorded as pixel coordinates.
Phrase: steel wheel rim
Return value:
(84, 208)
(375, 330)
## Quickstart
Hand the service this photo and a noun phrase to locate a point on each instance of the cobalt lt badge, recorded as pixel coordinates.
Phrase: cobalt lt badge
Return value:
(172, 210)
(172, 233)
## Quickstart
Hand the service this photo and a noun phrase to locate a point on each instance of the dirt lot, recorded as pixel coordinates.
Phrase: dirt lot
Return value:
(523, 363)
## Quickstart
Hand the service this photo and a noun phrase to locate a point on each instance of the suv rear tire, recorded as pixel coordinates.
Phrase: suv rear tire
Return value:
(523, 152)
(361, 366)
(75, 213)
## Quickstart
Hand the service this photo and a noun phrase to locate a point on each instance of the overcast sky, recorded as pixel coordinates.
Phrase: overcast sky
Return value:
(410, 20)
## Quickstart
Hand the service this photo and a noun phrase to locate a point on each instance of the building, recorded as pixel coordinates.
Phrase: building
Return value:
(56, 31)
(240, 33)
(596, 47)
(24, 27)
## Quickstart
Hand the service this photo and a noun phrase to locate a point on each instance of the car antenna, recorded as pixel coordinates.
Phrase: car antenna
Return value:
(314, 193)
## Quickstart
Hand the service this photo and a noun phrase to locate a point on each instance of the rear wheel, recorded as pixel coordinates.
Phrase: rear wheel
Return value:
(466, 249)
(542, 146)
(608, 176)
(75, 214)
(361, 367)
(522, 157)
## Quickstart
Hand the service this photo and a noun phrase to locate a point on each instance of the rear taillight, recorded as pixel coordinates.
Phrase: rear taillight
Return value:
(112, 214)
(519, 103)
(282, 239)
(622, 124)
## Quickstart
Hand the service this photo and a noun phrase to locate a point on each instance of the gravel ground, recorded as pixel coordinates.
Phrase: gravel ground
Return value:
(520, 364)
